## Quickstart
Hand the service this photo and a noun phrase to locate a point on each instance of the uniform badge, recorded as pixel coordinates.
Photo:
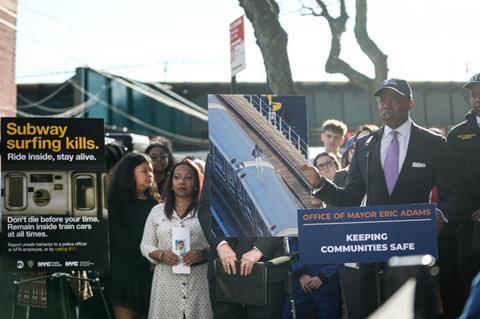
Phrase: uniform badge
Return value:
(464, 137)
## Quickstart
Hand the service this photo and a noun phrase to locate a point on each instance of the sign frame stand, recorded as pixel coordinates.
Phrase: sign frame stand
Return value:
(291, 292)
(377, 284)
(60, 276)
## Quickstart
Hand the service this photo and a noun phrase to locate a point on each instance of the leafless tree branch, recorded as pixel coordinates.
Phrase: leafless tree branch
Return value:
(367, 45)
(309, 11)
(272, 41)
(337, 25)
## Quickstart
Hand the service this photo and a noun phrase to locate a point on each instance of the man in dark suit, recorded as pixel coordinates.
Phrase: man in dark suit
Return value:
(248, 251)
(464, 141)
(398, 164)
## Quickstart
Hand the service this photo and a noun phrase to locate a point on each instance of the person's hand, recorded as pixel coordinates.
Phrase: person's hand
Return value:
(476, 215)
(313, 176)
(192, 257)
(155, 255)
(315, 283)
(316, 203)
(169, 258)
(228, 258)
(309, 283)
(305, 282)
(248, 260)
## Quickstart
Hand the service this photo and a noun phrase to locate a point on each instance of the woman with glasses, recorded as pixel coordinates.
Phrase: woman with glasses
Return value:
(160, 151)
(327, 164)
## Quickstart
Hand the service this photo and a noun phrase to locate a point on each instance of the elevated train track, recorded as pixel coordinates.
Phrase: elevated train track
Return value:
(282, 153)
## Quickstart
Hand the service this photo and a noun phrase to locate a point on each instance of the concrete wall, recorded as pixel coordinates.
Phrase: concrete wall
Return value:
(440, 104)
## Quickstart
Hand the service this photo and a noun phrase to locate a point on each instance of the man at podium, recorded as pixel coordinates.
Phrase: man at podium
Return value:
(398, 164)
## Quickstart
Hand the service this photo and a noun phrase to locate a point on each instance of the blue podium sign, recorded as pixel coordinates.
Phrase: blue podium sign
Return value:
(366, 234)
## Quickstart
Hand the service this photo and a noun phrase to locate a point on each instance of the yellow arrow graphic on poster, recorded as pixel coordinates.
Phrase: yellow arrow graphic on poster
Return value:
(276, 106)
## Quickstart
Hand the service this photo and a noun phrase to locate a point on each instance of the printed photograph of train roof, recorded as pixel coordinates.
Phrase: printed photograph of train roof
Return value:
(257, 144)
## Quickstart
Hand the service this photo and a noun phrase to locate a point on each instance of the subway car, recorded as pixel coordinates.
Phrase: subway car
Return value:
(248, 197)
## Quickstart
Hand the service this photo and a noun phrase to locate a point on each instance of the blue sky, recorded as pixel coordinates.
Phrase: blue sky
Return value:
(188, 40)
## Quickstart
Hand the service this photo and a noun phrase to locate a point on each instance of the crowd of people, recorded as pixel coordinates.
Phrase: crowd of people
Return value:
(163, 256)
(151, 195)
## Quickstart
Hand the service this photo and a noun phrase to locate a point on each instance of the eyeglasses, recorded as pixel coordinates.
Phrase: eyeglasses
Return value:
(325, 165)
(161, 157)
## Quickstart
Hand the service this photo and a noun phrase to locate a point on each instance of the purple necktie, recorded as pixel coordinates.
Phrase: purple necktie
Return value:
(390, 166)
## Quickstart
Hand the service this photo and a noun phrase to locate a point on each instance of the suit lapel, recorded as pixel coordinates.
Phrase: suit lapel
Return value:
(376, 164)
(407, 163)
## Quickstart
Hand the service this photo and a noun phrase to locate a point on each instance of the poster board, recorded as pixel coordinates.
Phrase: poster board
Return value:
(366, 234)
(257, 145)
(53, 216)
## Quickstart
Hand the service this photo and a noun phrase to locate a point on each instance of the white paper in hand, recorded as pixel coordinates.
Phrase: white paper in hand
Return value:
(180, 246)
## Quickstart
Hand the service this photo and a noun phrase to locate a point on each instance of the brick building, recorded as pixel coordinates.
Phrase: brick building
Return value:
(8, 90)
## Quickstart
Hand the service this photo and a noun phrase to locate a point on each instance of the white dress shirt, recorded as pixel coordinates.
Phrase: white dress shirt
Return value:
(478, 120)
(403, 137)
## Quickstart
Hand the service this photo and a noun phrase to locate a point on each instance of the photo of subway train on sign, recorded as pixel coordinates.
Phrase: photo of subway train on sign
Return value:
(257, 144)
(58, 193)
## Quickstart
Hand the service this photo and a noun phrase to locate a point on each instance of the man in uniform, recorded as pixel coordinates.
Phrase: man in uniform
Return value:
(464, 142)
